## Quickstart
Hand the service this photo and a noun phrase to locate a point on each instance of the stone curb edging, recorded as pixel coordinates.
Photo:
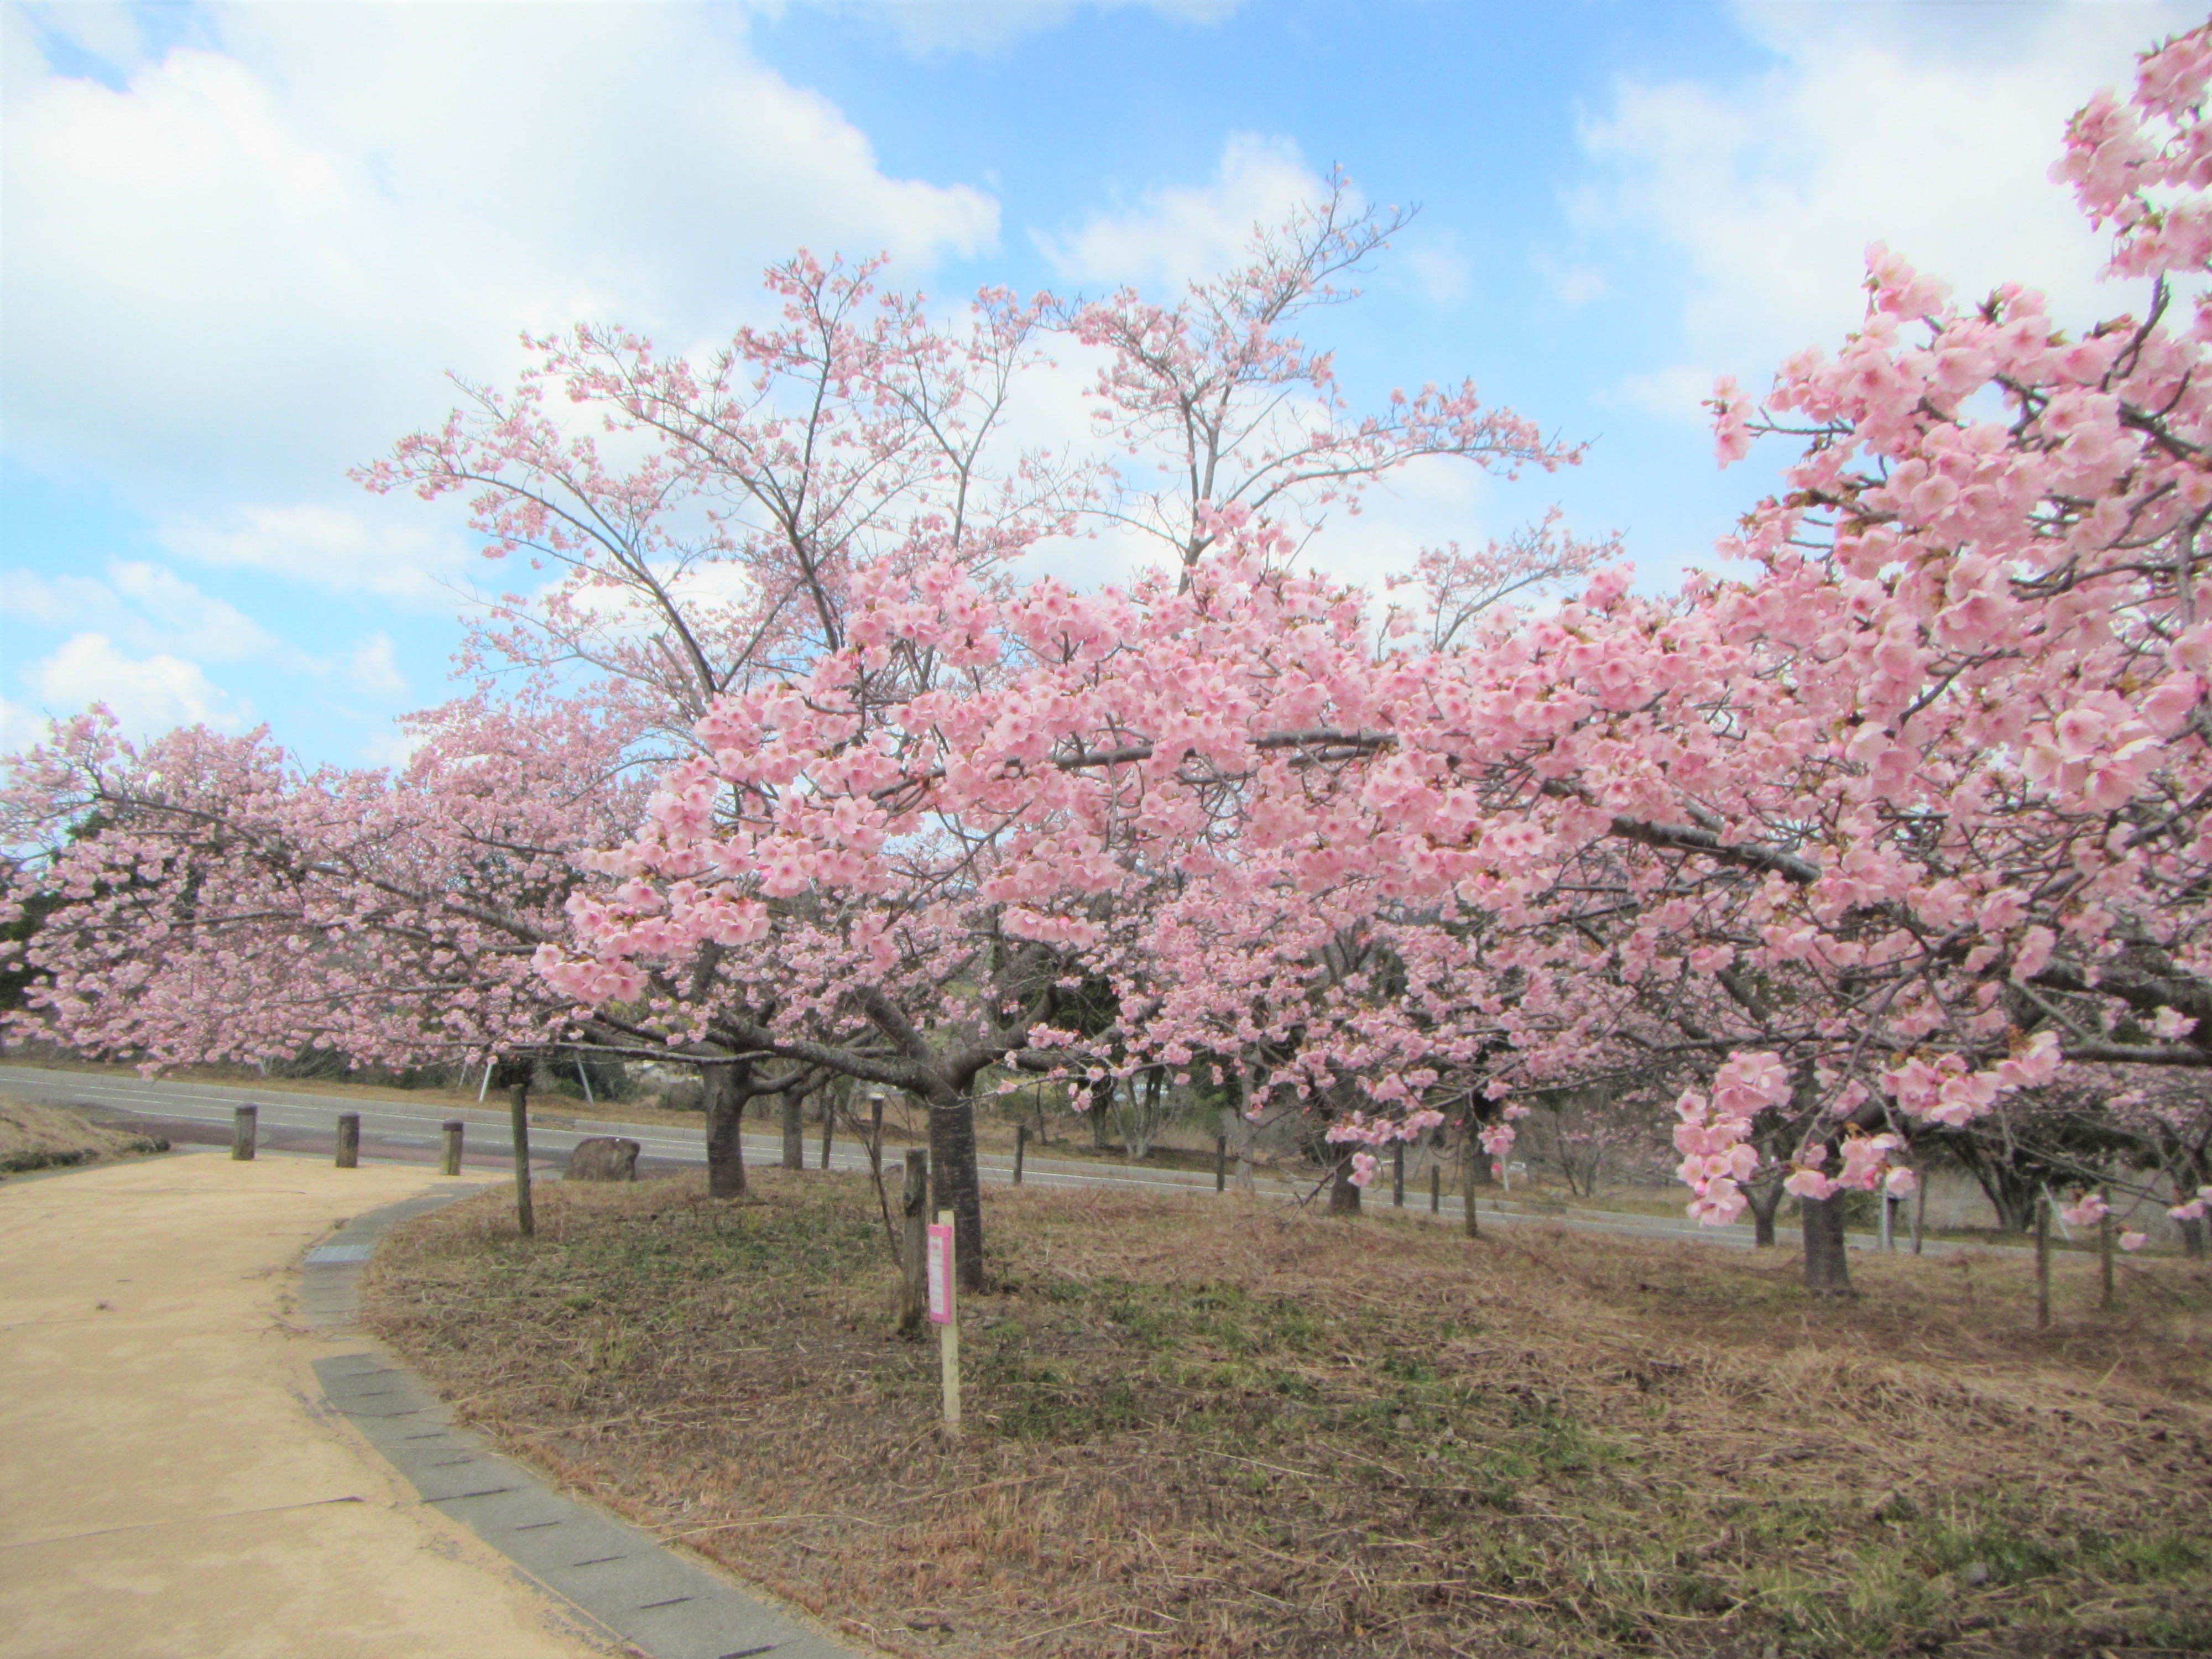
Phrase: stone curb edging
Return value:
(627, 1582)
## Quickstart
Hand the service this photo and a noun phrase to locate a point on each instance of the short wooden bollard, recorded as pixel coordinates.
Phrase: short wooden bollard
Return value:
(1469, 1153)
(1021, 1146)
(945, 1313)
(829, 1126)
(349, 1140)
(913, 1248)
(875, 1127)
(1397, 1174)
(1889, 1203)
(244, 1121)
(517, 1122)
(1221, 1163)
(1436, 1186)
(454, 1128)
(2043, 1261)
(2105, 1251)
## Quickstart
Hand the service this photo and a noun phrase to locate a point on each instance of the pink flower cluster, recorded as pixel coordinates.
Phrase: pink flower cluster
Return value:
(1715, 1130)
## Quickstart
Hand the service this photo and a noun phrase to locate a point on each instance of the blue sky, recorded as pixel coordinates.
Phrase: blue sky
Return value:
(241, 246)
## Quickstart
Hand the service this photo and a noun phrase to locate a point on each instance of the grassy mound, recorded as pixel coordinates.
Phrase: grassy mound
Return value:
(38, 1137)
(1207, 1427)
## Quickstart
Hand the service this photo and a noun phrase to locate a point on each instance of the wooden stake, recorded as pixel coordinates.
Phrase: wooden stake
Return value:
(243, 1123)
(913, 1205)
(2042, 1260)
(829, 1123)
(1021, 1146)
(2105, 1249)
(948, 1334)
(349, 1140)
(1435, 1186)
(1920, 1207)
(518, 1107)
(1469, 1155)
(454, 1128)
(1221, 1163)
(1397, 1174)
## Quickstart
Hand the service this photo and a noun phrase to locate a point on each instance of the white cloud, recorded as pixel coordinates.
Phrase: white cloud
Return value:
(275, 247)
(372, 670)
(20, 726)
(151, 607)
(1178, 232)
(337, 548)
(1933, 134)
(148, 694)
(1444, 275)
(934, 26)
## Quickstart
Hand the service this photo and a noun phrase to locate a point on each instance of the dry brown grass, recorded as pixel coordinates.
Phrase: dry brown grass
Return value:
(33, 1136)
(1204, 1427)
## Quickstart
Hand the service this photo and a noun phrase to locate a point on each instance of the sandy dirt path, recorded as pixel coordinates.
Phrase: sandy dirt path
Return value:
(169, 1482)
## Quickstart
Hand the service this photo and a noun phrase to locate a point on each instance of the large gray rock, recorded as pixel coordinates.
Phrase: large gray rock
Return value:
(602, 1157)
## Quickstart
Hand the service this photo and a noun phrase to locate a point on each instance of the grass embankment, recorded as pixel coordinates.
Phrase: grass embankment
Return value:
(37, 1137)
(1210, 1427)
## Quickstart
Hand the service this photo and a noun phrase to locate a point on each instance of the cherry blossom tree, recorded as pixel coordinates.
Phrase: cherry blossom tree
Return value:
(1217, 404)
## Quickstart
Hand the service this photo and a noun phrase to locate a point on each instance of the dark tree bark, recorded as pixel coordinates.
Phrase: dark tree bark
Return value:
(727, 1085)
(1827, 1266)
(956, 1186)
(1765, 1199)
(1343, 1195)
(794, 1130)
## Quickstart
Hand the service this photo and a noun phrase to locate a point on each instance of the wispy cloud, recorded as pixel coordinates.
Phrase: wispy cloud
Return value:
(1174, 233)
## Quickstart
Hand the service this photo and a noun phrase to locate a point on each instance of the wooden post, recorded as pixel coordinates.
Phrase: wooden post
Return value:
(914, 1245)
(1919, 1205)
(453, 1165)
(2104, 1251)
(243, 1123)
(1397, 1174)
(1435, 1186)
(829, 1123)
(518, 1107)
(1889, 1203)
(2042, 1260)
(875, 1127)
(349, 1140)
(948, 1334)
(1470, 1155)
(1021, 1146)
(1221, 1163)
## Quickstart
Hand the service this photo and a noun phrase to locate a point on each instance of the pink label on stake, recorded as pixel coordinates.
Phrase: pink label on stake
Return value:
(940, 1274)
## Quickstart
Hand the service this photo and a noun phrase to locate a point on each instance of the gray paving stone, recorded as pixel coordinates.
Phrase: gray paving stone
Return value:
(663, 1603)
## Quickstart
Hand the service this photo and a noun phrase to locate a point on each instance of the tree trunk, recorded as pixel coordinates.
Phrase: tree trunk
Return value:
(2012, 1192)
(959, 1189)
(1101, 1092)
(1343, 1196)
(1765, 1199)
(727, 1084)
(1827, 1268)
(794, 1130)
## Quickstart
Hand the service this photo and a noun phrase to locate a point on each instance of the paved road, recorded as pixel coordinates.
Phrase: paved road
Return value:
(409, 1132)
